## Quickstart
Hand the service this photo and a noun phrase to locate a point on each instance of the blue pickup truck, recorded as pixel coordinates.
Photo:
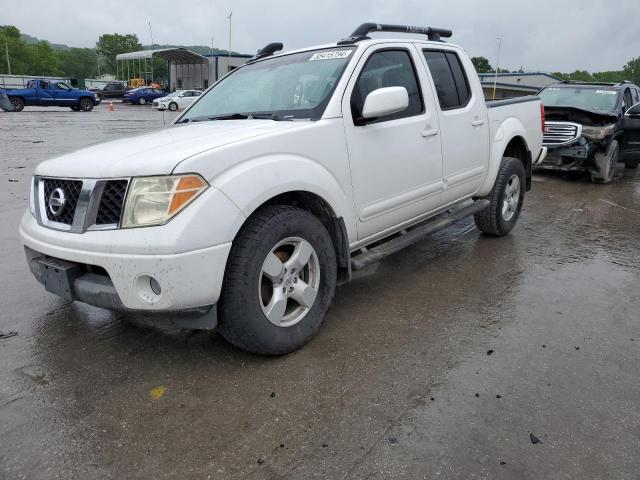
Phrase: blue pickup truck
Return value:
(45, 93)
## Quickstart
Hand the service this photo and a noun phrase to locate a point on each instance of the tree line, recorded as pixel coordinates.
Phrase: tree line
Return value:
(630, 71)
(41, 59)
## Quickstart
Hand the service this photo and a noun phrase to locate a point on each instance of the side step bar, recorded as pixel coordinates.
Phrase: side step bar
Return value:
(407, 238)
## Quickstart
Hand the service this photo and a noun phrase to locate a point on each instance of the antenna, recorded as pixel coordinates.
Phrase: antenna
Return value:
(229, 17)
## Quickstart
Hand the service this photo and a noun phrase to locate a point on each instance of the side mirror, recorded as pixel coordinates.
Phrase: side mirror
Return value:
(633, 111)
(385, 101)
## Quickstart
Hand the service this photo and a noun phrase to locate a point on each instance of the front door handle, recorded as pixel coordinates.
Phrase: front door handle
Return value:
(431, 133)
(477, 123)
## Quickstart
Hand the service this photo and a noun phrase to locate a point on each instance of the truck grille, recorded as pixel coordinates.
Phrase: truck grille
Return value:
(79, 205)
(561, 133)
(62, 208)
(111, 202)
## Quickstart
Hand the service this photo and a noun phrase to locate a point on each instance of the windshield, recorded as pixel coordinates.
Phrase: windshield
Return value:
(593, 99)
(174, 94)
(287, 87)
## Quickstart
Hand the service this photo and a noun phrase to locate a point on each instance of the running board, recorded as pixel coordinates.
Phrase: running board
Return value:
(407, 238)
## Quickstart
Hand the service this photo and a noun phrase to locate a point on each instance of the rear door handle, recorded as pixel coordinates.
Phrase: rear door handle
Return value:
(431, 133)
(477, 123)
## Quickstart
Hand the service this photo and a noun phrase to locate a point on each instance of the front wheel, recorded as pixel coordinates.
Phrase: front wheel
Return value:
(279, 281)
(18, 104)
(506, 197)
(173, 106)
(607, 163)
(85, 105)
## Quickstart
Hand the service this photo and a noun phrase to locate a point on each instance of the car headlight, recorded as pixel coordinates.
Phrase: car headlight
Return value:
(156, 200)
(32, 198)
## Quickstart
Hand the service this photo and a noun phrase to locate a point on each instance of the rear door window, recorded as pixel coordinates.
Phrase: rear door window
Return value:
(449, 78)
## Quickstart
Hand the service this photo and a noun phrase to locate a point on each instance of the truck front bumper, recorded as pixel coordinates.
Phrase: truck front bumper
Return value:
(188, 282)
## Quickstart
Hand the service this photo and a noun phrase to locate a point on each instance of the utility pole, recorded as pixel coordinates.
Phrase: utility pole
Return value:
(211, 51)
(6, 49)
(151, 35)
(229, 17)
(495, 79)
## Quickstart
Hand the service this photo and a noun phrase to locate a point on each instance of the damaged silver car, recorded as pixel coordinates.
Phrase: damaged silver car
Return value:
(590, 127)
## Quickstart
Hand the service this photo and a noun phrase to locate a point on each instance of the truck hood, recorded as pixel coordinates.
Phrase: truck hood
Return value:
(156, 153)
(579, 115)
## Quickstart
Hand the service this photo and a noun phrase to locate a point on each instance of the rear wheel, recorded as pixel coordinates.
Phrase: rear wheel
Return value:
(279, 281)
(85, 105)
(506, 197)
(173, 106)
(142, 101)
(18, 104)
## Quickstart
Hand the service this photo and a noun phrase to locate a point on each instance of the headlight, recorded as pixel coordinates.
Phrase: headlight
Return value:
(155, 200)
(32, 198)
(598, 133)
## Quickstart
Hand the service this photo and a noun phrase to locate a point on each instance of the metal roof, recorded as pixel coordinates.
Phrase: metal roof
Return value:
(170, 54)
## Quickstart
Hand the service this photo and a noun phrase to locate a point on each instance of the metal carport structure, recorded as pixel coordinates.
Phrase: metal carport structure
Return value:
(190, 70)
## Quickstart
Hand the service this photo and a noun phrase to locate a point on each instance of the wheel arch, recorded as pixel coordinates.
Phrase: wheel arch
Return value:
(510, 141)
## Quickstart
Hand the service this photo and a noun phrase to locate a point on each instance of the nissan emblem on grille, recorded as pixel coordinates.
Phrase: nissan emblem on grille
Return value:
(57, 202)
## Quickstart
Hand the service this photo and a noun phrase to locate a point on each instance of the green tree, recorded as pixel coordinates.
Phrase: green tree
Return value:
(42, 60)
(11, 40)
(110, 45)
(482, 64)
(78, 63)
(632, 70)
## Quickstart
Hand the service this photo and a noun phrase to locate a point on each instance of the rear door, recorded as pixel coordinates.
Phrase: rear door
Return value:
(395, 160)
(463, 123)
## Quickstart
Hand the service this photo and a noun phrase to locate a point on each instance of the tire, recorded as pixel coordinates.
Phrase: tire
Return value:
(18, 104)
(85, 104)
(270, 241)
(606, 164)
(506, 197)
(142, 101)
(173, 106)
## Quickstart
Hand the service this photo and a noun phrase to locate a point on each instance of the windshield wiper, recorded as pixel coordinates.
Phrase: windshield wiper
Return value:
(240, 116)
(230, 116)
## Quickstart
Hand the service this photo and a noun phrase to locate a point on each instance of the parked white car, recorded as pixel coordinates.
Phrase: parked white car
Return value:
(180, 99)
(290, 172)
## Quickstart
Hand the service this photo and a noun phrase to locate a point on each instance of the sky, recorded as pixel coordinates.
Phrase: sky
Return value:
(540, 35)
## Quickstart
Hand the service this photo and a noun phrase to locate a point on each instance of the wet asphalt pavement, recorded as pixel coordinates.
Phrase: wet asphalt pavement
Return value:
(447, 360)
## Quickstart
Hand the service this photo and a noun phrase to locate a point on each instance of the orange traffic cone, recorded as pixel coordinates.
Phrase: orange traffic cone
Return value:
(111, 109)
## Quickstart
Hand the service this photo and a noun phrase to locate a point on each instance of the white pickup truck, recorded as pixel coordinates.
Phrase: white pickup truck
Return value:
(286, 175)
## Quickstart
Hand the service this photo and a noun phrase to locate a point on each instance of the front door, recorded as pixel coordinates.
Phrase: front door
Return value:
(631, 137)
(395, 160)
(63, 95)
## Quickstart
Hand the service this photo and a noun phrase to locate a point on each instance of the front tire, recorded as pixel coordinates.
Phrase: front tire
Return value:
(173, 106)
(18, 104)
(606, 164)
(85, 105)
(506, 197)
(279, 281)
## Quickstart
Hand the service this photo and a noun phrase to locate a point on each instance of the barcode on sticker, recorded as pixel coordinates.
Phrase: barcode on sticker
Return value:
(330, 55)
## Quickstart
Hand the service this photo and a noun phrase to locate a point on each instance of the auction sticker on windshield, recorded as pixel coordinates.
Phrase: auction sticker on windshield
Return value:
(606, 92)
(330, 55)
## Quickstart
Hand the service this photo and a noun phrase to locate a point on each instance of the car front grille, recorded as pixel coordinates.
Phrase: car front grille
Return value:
(561, 133)
(62, 207)
(155, 103)
(79, 205)
(111, 202)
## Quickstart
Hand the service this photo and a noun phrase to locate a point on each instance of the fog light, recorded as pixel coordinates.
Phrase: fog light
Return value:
(155, 286)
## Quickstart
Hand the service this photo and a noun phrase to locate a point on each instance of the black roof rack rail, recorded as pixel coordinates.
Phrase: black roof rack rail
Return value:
(360, 33)
(266, 51)
(604, 84)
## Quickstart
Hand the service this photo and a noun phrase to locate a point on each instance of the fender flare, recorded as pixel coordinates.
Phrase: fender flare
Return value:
(276, 174)
(510, 129)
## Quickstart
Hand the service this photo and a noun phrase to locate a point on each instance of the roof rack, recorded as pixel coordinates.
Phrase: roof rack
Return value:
(360, 33)
(266, 51)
